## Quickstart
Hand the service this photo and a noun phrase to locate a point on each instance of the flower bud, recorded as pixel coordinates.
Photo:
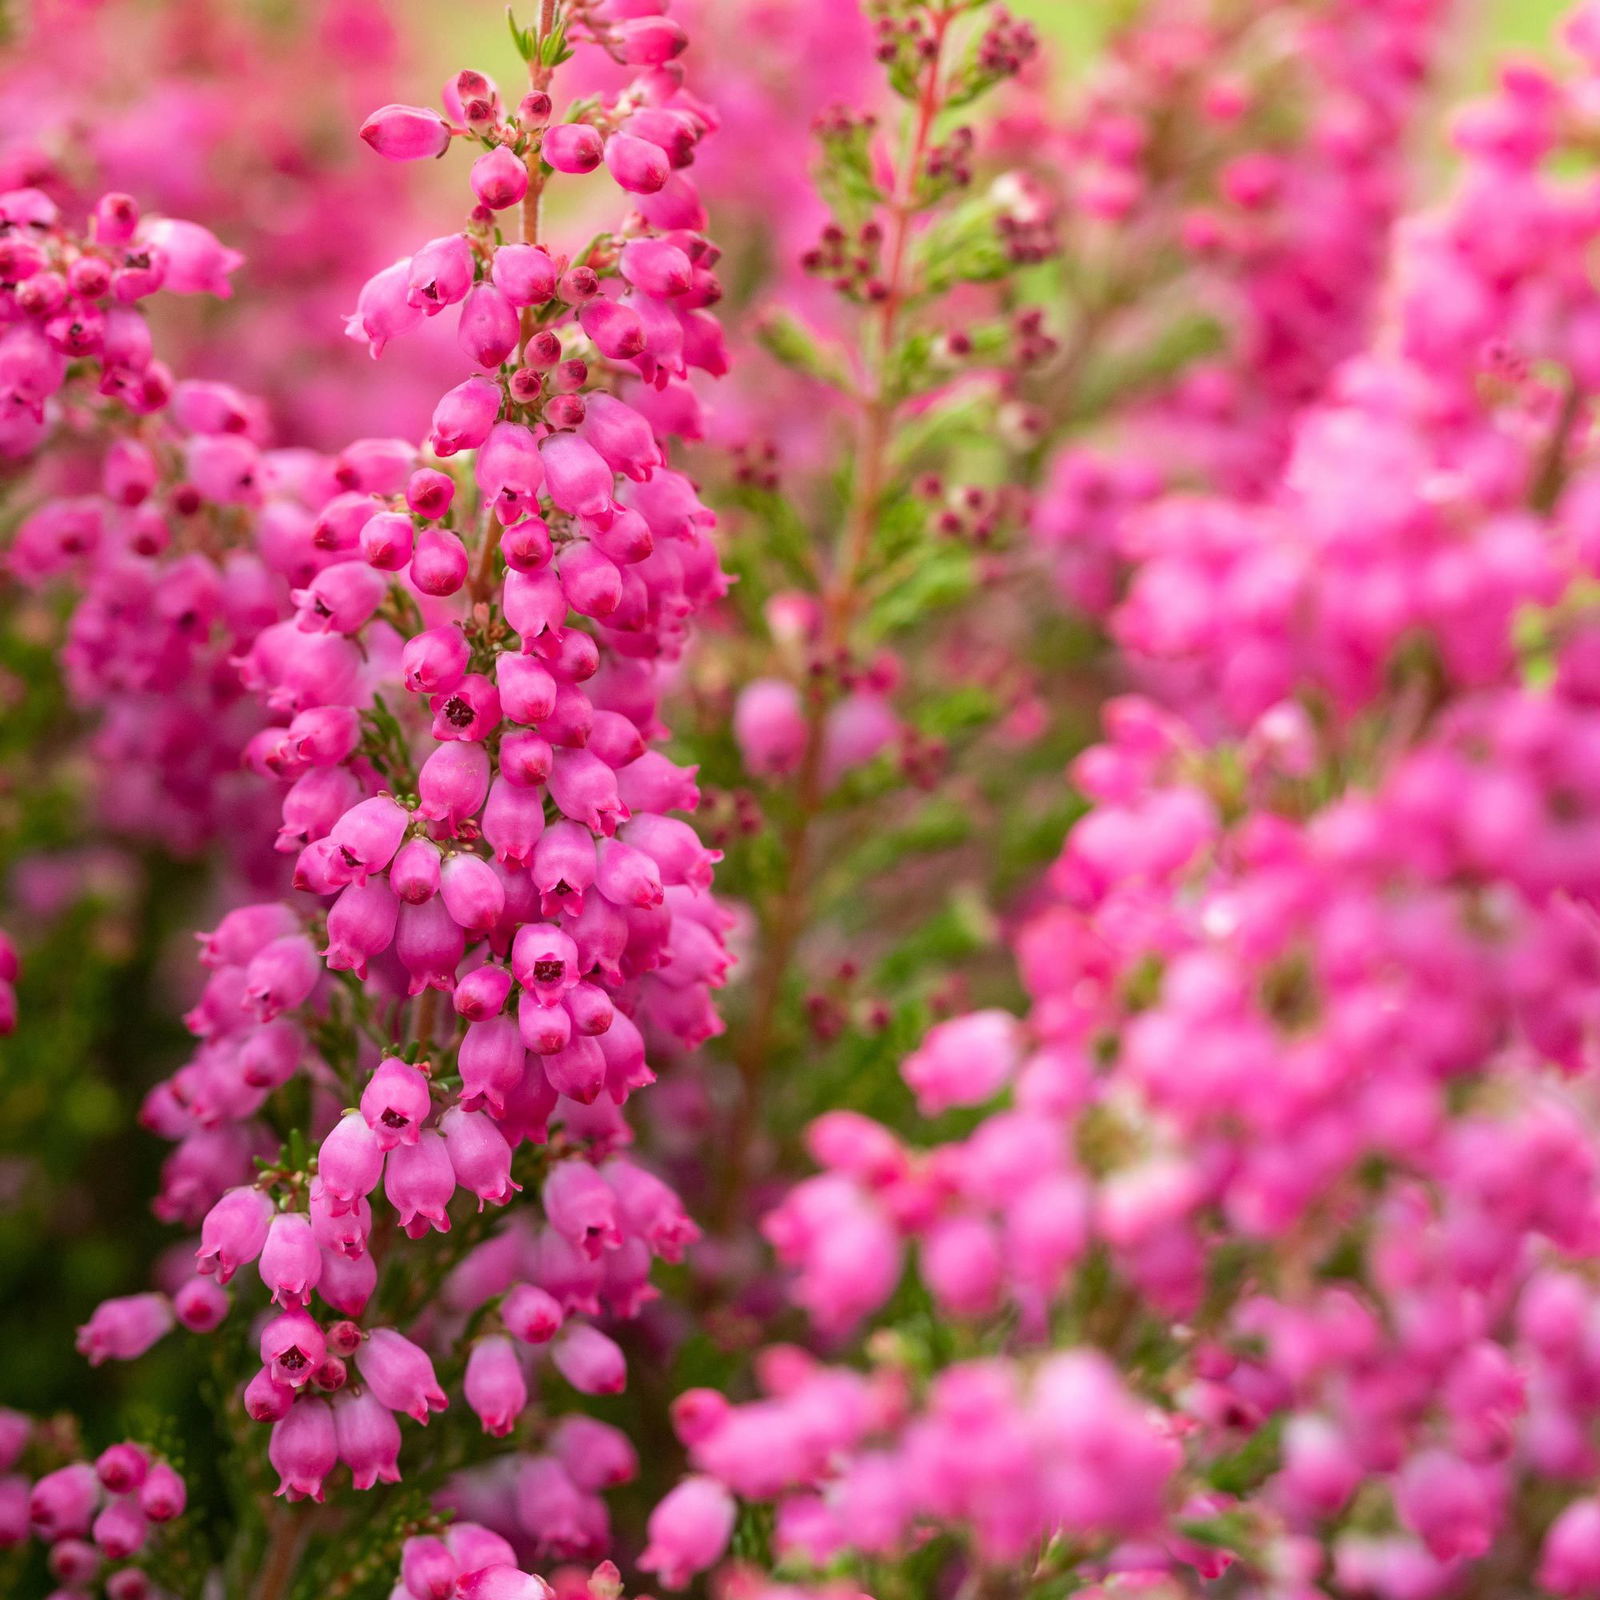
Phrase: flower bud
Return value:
(61, 1504)
(429, 493)
(482, 994)
(526, 545)
(616, 329)
(439, 562)
(531, 1314)
(472, 894)
(163, 1496)
(572, 147)
(499, 179)
(769, 726)
(524, 273)
(123, 1329)
(635, 164)
(649, 41)
(387, 541)
(406, 133)
(488, 329)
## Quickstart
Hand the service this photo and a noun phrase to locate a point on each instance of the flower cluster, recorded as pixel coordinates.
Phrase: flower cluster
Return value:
(1265, 236)
(199, 112)
(1162, 1166)
(1277, 1207)
(98, 1519)
(496, 922)
(161, 599)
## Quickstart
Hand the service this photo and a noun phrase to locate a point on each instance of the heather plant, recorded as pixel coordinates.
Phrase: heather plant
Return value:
(701, 1071)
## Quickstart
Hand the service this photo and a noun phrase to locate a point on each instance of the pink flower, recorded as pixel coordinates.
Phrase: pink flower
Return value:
(770, 727)
(406, 133)
(61, 1504)
(572, 147)
(589, 1360)
(689, 1531)
(290, 1261)
(494, 1385)
(499, 179)
(395, 1103)
(304, 1449)
(419, 1180)
(234, 1232)
(479, 1155)
(196, 260)
(399, 1374)
(383, 308)
(1569, 1564)
(163, 1495)
(367, 1437)
(963, 1062)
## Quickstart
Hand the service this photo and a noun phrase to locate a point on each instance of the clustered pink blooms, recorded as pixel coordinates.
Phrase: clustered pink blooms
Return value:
(1260, 1248)
(474, 1562)
(199, 110)
(458, 694)
(1284, 1193)
(97, 1518)
(1276, 229)
(160, 601)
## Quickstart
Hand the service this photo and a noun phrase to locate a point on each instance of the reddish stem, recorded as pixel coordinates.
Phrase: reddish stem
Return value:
(841, 593)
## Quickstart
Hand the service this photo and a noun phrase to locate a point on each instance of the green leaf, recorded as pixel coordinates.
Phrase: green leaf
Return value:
(522, 38)
(962, 928)
(788, 340)
(844, 176)
(553, 48)
(940, 823)
(963, 245)
(943, 576)
(1252, 1463)
(1228, 1530)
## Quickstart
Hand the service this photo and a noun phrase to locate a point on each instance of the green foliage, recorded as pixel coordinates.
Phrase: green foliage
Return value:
(938, 575)
(1252, 1463)
(962, 245)
(384, 744)
(844, 175)
(360, 1563)
(548, 52)
(788, 340)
